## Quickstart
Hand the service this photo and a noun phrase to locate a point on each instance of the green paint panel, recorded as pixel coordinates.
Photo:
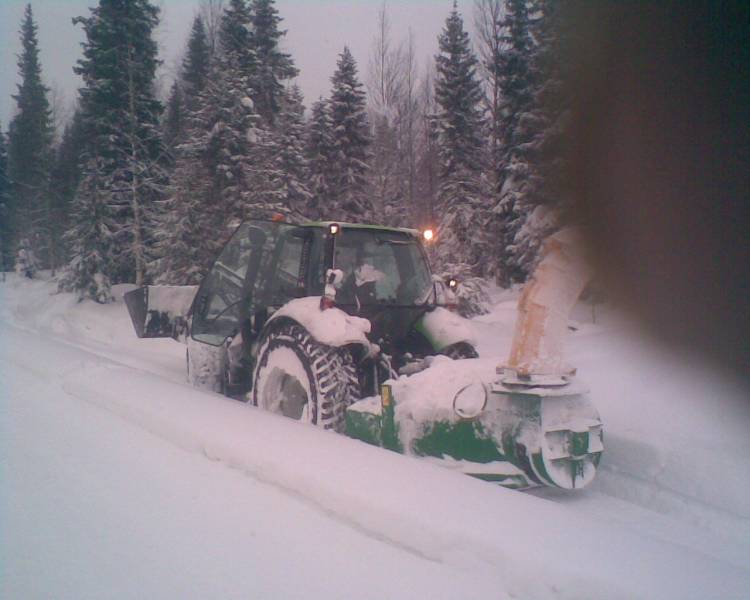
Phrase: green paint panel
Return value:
(363, 426)
(465, 440)
(579, 443)
(518, 416)
(514, 482)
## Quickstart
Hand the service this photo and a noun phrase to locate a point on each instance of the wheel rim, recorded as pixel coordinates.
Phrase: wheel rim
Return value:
(286, 393)
(283, 390)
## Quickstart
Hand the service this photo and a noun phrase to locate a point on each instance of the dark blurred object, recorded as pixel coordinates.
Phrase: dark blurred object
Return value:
(661, 164)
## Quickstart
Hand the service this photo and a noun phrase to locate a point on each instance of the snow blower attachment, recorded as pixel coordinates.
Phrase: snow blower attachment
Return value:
(567, 426)
(534, 425)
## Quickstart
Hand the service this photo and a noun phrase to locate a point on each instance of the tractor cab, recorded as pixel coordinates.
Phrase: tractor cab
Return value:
(325, 277)
(384, 277)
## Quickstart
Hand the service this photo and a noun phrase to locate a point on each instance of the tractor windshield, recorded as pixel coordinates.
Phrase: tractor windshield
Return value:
(381, 267)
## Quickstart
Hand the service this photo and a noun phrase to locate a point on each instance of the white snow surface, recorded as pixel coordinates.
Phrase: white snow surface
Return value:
(117, 480)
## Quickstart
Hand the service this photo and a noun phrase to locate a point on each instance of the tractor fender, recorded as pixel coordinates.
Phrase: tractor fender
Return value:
(443, 328)
(332, 326)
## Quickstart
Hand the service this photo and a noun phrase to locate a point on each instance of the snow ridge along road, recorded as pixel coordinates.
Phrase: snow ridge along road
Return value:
(447, 534)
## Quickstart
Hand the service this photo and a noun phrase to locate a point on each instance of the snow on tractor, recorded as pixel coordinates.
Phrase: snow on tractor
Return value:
(343, 326)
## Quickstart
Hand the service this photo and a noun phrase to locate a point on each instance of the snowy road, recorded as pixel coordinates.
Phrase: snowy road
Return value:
(96, 507)
(118, 481)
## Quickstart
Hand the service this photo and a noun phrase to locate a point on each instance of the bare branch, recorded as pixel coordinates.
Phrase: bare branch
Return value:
(211, 12)
(384, 76)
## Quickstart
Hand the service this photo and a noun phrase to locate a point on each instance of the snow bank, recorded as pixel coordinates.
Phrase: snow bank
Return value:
(37, 307)
(434, 513)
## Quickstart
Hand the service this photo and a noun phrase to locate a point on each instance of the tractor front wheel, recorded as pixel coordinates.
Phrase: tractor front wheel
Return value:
(303, 379)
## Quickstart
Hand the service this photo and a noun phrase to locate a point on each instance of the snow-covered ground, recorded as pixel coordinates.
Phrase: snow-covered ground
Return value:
(117, 480)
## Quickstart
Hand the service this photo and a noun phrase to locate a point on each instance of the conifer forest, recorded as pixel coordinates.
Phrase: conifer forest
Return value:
(141, 188)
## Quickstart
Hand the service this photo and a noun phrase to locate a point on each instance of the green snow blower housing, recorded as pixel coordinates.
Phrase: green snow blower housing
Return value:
(518, 437)
(343, 326)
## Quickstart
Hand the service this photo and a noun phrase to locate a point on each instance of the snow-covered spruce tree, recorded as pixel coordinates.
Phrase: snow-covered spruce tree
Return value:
(239, 143)
(209, 183)
(320, 157)
(6, 233)
(516, 154)
(458, 125)
(191, 232)
(189, 83)
(288, 159)
(227, 166)
(91, 238)
(174, 117)
(542, 134)
(30, 135)
(65, 177)
(273, 65)
(351, 141)
(190, 225)
(121, 117)
(197, 62)
(488, 18)
(236, 38)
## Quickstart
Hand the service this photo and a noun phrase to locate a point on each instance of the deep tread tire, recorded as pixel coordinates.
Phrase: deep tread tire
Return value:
(330, 372)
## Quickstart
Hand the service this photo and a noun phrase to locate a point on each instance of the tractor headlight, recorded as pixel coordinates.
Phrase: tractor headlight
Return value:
(470, 400)
(428, 235)
(334, 228)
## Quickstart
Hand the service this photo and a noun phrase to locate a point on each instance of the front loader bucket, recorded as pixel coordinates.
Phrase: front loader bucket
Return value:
(159, 311)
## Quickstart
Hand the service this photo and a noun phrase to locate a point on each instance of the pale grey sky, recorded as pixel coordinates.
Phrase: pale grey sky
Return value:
(317, 31)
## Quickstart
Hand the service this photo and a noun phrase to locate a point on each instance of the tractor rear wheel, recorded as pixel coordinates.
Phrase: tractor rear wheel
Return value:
(303, 379)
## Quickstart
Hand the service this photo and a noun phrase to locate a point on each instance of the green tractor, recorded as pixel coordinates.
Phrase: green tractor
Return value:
(324, 322)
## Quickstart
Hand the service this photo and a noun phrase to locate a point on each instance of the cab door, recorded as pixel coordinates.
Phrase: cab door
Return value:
(233, 290)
